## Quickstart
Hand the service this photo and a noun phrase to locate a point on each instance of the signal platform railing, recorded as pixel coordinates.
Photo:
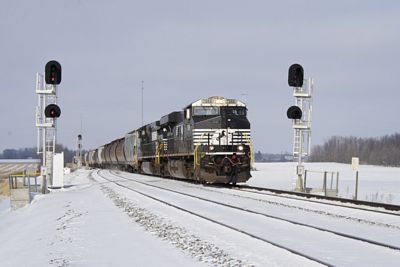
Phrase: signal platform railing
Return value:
(23, 187)
(330, 182)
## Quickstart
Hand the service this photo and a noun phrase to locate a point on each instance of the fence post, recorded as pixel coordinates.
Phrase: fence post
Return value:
(29, 188)
(305, 181)
(337, 183)
(325, 174)
(331, 180)
(356, 185)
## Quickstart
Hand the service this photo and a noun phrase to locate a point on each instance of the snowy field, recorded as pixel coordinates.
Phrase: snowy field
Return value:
(79, 226)
(96, 222)
(380, 184)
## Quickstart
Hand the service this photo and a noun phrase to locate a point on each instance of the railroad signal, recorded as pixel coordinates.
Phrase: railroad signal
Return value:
(52, 111)
(53, 72)
(296, 75)
(301, 118)
(294, 113)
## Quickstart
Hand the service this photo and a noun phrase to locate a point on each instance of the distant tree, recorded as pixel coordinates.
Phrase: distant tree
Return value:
(270, 157)
(377, 151)
(258, 156)
(22, 153)
(31, 153)
(10, 154)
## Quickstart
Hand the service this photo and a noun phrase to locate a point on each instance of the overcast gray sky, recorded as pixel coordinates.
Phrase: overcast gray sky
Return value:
(187, 50)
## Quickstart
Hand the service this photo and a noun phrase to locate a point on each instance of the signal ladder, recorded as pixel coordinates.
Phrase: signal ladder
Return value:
(302, 127)
(296, 143)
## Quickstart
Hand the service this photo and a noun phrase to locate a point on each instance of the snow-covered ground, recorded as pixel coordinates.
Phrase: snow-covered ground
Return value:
(96, 222)
(80, 226)
(376, 183)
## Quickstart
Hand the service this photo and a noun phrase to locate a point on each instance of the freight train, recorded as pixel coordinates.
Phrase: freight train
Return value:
(208, 141)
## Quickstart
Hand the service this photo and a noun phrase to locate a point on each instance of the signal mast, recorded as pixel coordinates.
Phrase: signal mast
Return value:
(301, 119)
(78, 155)
(47, 112)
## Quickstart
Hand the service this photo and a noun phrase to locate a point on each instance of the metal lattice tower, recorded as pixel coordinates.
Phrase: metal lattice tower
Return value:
(302, 127)
(46, 128)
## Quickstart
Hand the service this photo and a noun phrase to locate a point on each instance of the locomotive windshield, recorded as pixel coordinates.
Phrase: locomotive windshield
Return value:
(205, 111)
(238, 111)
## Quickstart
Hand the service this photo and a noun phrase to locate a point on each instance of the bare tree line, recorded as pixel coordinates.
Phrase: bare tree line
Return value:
(30, 153)
(374, 151)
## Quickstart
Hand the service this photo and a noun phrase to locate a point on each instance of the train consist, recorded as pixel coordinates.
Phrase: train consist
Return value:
(208, 141)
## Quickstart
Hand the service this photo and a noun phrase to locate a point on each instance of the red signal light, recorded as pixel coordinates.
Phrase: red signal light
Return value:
(53, 72)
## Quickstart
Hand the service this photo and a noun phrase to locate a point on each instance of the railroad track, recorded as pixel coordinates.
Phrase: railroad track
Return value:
(328, 213)
(212, 220)
(309, 197)
(259, 213)
(284, 194)
(345, 236)
(305, 196)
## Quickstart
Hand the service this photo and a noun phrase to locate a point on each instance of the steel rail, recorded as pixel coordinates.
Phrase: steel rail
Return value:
(305, 196)
(386, 206)
(215, 221)
(265, 215)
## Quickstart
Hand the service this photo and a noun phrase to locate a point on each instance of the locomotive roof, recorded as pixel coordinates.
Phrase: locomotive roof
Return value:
(218, 101)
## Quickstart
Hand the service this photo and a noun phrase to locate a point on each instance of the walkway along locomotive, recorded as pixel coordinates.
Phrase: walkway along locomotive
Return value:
(208, 141)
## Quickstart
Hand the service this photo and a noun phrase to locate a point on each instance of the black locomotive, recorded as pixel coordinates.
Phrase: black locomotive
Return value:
(208, 141)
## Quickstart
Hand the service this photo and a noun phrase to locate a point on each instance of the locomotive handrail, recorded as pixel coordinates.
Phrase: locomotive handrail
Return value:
(195, 157)
(135, 157)
(158, 152)
(195, 152)
(251, 150)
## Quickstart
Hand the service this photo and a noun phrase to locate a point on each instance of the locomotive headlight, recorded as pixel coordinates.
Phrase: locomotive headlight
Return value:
(240, 148)
(211, 148)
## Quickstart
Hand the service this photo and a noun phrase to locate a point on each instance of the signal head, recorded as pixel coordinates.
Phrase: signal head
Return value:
(52, 111)
(294, 113)
(296, 75)
(53, 72)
